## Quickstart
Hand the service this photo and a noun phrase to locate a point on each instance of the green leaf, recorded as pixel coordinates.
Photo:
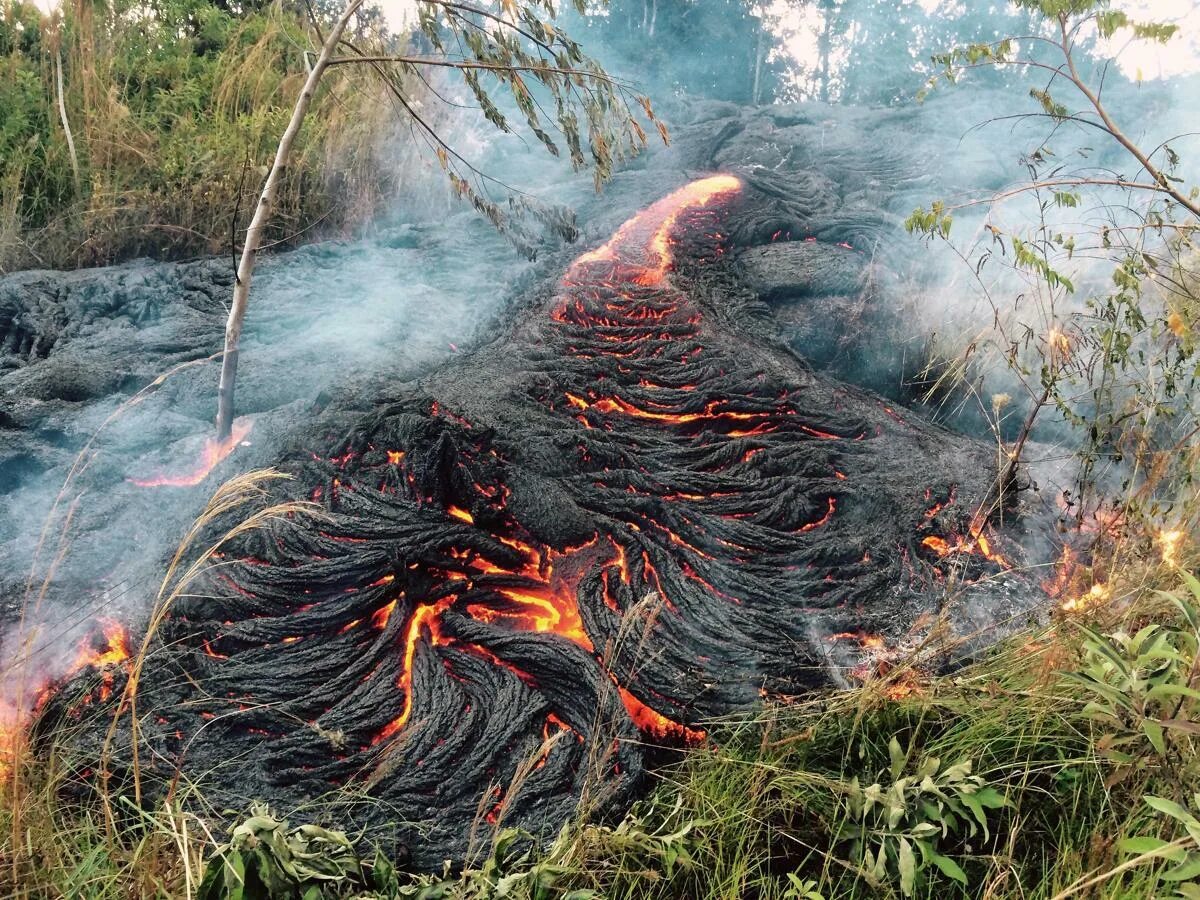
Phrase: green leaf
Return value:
(1172, 809)
(1138, 846)
(1154, 734)
(1185, 871)
(897, 756)
(947, 866)
(908, 868)
(234, 866)
(991, 798)
(973, 804)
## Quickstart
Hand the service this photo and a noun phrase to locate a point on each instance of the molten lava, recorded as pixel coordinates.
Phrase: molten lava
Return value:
(101, 651)
(624, 519)
(212, 453)
(642, 246)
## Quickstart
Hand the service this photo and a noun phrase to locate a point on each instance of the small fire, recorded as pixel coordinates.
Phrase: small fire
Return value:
(114, 650)
(1059, 346)
(211, 454)
(904, 684)
(881, 661)
(1170, 541)
(975, 542)
(101, 651)
(1097, 594)
(1074, 585)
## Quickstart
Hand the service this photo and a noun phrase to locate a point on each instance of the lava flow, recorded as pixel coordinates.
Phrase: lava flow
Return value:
(211, 454)
(625, 517)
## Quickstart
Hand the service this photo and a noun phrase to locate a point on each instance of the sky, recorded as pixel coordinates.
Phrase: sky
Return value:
(799, 24)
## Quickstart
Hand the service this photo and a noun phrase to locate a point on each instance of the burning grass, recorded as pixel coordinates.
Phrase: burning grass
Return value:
(765, 805)
(475, 640)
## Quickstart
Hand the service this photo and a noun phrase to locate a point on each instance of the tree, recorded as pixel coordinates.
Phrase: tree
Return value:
(1121, 365)
(717, 49)
(515, 44)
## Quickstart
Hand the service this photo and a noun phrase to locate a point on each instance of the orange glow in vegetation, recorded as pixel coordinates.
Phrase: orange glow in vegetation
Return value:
(102, 651)
(977, 543)
(210, 456)
(905, 684)
(1169, 544)
(1096, 595)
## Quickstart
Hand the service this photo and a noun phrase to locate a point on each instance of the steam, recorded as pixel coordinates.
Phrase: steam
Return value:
(375, 313)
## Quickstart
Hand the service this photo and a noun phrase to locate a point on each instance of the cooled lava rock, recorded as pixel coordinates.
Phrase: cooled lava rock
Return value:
(634, 510)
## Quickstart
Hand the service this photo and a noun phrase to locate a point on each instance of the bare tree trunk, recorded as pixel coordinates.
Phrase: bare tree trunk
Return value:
(825, 48)
(758, 59)
(262, 214)
(62, 113)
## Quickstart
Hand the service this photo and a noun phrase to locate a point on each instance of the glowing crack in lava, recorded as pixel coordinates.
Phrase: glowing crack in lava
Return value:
(211, 454)
(621, 518)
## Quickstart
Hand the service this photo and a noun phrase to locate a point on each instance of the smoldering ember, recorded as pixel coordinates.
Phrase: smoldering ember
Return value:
(633, 507)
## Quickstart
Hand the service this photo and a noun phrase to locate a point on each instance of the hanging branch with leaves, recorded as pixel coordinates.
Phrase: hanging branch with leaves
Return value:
(1157, 202)
(563, 96)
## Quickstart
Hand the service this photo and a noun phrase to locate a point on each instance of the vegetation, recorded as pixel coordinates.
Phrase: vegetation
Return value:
(519, 46)
(166, 115)
(1064, 765)
(1099, 327)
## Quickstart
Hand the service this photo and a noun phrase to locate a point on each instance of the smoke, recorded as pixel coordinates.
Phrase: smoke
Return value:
(374, 314)
(87, 417)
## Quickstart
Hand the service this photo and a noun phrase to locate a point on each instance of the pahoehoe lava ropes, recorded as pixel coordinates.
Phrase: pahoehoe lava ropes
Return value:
(634, 510)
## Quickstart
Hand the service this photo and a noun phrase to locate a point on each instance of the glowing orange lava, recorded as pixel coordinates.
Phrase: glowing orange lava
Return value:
(539, 593)
(211, 454)
(101, 651)
(644, 241)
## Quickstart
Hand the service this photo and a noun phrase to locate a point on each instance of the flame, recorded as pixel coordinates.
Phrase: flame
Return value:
(102, 652)
(1097, 594)
(975, 542)
(879, 661)
(1170, 541)
(1075, 585)
(211, 455)
(1059, 344)
(114, 651)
